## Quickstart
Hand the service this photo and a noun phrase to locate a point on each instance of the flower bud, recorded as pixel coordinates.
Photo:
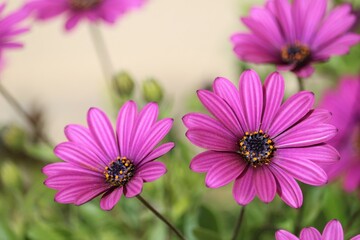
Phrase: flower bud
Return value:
(10, 175)
(152, 91)
(13, 137)
(124, 84)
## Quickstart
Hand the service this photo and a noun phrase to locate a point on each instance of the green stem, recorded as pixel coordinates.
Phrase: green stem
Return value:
(301, 84)
(238, 224)
(161, 217)
(21, 111)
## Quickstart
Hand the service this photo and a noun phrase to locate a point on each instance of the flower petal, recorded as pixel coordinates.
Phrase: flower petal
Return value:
(205, 160)
(211, 140)
(274, 87)
(157, 152)
(60, 181)
(102, 131)
(357, 237)
(151, 171)
(333, 230)
(310, 233)
(283, 12)
(225, 171)
(284, 235)
(251, 96)
(265, 184)
(291, 111)
(110, 198)
(60, 168)
(134, 187)
(305, 71)
(243, 189)
(288, 189)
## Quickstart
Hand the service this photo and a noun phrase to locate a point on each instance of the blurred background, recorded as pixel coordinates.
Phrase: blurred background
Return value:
(184, 45)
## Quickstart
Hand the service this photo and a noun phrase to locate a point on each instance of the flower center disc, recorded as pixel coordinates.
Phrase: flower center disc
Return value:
(296, 53)
(119, 172)
(256, 148)
(83, 4)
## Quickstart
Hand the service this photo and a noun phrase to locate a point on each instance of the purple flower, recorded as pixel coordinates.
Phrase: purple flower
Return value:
(259, 143)
(97, 161)
(10, 28)
(294, 35)
(344, 105)
(76, 10)
(333, 231)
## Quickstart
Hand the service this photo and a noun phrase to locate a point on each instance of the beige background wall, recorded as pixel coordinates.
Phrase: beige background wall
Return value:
(180, 42)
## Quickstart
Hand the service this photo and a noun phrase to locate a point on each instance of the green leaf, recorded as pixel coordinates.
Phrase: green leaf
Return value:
(207, 219)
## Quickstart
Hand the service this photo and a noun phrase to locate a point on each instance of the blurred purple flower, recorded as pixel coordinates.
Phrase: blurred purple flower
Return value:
(332, 231)
(344, 105)
(97, 161)
(258, 143)
(76, 10)
(10, 28)
(293, 36)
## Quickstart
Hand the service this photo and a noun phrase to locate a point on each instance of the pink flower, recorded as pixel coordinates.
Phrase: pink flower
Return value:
(333, 231)
(76, 10)
(344, 105)
(295, 35)
(97, 161)
(259, 143)
(10, 28)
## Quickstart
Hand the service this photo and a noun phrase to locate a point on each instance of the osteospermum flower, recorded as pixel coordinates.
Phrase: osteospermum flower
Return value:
(92, 10)
(258, 143)
(10, 27)
(295, 35)
(343, 103)
(332, 231)
(99, 161)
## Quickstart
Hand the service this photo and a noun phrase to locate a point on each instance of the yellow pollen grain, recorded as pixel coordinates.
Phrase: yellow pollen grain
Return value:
(121, 172)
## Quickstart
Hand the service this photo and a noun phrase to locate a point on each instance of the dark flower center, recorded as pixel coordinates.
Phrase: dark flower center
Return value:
(257, 148)
(83, 4)
(119, 172)
(295, 53)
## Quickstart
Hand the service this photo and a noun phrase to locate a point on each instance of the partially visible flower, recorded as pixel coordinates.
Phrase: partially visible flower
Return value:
(152, 91)
(259, 143)
(10, 27)
(123, 84)
(92, 10)
(332, 231)
(343, 102)
(97, 161)
(295, 35)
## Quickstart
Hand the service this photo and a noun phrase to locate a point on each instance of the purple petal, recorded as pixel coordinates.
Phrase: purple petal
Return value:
(110, 198)
(211, 140)
(63, 168)
(305, 136)
(72, 22)
(305, 71)
(151, 171)
(333, 231)
(204, 122)
(223, 172)
(288, 189)
(283, 10)
(82, 136)
(221, 110)
(101, 128)
(320, 154)
(124, 127)
(357, 237)
(243, 189)
(89, 195)
(157, 132)
(158, 152)
(251, 96)
(302, 169)
(284, 235)
(265, 184)
(274, 93)
(60, 181)
(291, 111)
(352, 178)
(205, 160)
(71, 193)
(134, 187)
(310, 233)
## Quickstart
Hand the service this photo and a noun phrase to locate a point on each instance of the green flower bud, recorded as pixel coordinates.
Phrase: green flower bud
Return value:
(152, 91)
(10, 175)
(124, 84)
(13, 137)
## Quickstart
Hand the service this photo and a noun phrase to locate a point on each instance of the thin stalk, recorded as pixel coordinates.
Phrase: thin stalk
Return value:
(102, 52)
(161, 217)
(352, 219)
(299, 219)
(21, 111)
(238, 224)
(301, 84)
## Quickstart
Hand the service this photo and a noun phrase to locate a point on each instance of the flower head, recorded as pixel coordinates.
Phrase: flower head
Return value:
(10, 28)
(332, 231)
(343, 103)
(259, 143)
(97, 161)
(76, 10)
(294, 35)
